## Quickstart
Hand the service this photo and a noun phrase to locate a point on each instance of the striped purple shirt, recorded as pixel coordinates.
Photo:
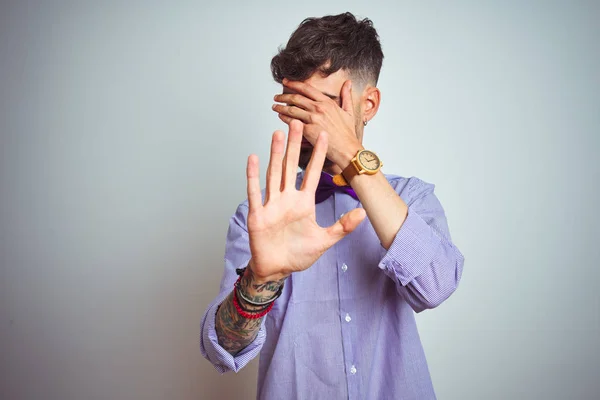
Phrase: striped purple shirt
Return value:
(345, 328)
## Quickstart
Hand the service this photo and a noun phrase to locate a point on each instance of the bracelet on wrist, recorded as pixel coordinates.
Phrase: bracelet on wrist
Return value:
(248, 315)
(240, 272)
(245, 307)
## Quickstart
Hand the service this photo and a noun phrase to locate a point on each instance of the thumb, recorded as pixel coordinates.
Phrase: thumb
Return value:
(347, 101)
(345, 225)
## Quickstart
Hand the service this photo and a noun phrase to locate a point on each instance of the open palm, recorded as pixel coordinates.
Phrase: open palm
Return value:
(284, 234)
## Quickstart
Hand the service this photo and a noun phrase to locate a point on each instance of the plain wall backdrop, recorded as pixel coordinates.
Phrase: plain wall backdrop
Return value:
(125, 129)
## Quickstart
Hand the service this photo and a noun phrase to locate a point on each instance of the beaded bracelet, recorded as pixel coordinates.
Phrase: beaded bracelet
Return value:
(246, 309)
(245, 314)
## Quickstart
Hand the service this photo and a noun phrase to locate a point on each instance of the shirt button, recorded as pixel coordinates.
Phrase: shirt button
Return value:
(348, 319)
(353, 370)
(344, 267)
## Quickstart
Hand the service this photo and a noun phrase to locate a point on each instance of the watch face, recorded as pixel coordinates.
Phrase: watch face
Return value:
(369, 160)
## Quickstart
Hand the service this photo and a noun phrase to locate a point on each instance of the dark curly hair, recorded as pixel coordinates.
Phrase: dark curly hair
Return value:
(329, 44)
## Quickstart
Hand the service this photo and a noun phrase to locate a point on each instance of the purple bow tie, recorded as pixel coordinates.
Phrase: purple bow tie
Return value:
(326, 188)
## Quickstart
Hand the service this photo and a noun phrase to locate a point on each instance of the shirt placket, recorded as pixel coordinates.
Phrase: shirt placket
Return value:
(346, 312)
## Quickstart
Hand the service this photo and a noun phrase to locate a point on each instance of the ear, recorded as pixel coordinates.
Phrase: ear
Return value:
(370, 102)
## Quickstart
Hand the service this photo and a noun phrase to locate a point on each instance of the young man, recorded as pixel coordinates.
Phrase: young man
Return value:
(330, 309)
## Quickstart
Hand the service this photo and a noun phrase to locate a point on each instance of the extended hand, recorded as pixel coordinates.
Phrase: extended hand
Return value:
(320, 113)
(284, 234)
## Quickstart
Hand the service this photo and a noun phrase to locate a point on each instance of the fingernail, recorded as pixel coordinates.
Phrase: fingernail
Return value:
(273, 106)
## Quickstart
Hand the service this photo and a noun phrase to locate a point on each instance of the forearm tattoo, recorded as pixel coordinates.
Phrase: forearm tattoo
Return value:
(235, 332)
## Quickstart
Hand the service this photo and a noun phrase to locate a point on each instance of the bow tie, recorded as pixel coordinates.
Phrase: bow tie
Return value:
(326, 188)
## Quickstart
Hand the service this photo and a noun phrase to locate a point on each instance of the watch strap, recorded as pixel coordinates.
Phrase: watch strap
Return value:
(347, 174)
(350, 171)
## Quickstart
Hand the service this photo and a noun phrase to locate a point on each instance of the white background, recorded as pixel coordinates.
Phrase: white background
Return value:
(124, 135)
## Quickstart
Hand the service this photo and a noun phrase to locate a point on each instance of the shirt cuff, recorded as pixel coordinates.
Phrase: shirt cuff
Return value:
(221, 359)
(411, 251)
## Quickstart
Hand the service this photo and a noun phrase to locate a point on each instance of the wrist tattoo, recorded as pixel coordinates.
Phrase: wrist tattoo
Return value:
(261, 292)
(235, 332)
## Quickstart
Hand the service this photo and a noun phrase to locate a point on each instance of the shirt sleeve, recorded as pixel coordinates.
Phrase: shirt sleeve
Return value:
(422, 259)
(237, 255)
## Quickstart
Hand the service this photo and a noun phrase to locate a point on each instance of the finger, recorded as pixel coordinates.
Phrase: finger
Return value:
(347, 100)
(344, 226)
(253, 186)
(292, 155)
(315, 165)
(285, 118)
(295, 100)
(293, 112)
(305, 89)
(275, 165)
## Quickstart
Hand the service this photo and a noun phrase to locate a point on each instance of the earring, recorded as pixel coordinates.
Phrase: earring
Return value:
(365, 122)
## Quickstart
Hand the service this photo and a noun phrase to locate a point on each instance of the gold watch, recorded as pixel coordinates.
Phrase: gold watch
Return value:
(364, 162)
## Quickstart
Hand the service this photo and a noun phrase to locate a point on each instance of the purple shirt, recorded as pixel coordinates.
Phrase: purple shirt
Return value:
(345, 328)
